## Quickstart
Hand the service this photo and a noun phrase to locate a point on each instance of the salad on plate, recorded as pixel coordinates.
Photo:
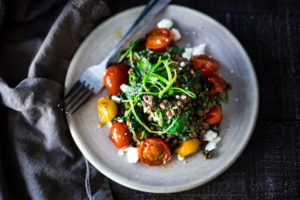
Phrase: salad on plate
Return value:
(164, 99)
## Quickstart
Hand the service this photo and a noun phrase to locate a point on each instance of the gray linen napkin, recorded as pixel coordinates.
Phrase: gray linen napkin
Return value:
(48, 162)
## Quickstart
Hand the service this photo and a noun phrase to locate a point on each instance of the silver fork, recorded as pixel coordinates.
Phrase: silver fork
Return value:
(91, 80)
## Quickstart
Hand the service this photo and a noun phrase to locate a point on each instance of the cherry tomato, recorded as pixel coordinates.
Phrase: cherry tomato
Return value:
(158, 39)
(214, 115)
(217, 82)
(154, 151)
(120, 135)
(206, 64)
(107, 109)
(114, 77)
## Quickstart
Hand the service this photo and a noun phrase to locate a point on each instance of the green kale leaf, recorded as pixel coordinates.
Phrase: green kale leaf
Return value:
(181, 125)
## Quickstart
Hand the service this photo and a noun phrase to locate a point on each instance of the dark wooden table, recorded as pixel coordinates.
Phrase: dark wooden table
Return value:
(269, 168)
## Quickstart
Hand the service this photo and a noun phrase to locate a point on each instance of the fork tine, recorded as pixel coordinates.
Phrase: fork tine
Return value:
(83, 102)
(77, 99)
(73, 89)
(74, 95)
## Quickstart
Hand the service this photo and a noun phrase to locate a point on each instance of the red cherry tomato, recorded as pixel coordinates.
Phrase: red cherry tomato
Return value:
(214, 115)
(206, 64)
(120, 135)
(114, 77)
(217, 82)
(154, 151)
(158, 39)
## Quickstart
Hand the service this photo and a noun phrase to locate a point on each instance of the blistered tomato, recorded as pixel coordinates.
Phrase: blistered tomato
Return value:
(214, 115)
(158, 39)
(206, 64)
(114, 77)
(217, 83)
(120, 135)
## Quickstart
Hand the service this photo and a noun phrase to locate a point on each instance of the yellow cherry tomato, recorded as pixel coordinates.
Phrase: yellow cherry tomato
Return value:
(188, 147)
(107, 109)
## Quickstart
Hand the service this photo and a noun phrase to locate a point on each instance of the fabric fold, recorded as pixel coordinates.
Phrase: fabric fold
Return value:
(39, 142)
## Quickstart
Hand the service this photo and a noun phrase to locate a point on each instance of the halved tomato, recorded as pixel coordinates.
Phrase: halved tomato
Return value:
(114, 77)
(154, 151)
(214, 115)
(158, 39)
(206, 64)
(217, 82)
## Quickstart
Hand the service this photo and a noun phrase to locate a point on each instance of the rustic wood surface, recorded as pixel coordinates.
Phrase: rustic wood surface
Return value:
(269, 168)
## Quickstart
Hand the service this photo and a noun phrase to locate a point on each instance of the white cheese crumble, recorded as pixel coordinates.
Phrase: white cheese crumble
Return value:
(212, 144)
(187, 53)
(182, 64)
(109, 123)
(213, 139)
(115, 99)
(165, 23)
(124, 87)
(194, 51)
(200, 49)
(175, 34)
(120, 120)
(131, 154)
(180, 158)
(145, 109)
(210, 135)
(121, 152)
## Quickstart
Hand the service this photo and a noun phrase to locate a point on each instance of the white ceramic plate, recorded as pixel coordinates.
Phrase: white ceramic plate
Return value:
(239, 113)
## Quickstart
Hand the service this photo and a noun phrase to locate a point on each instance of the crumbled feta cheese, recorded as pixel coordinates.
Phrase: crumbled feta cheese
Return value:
(187, 53)
(200, 49)
(194, 51)
(213, 139)
(180, 158)
(183, 96)
(158, 41)
(177, 96)
(165, 23)
(175, 34)
(116, 99)
(120, 120)
(132, 154)
(109, 124)
(182, 64)
(121, 152)
(124, 87)
(145, 109)
(210, 135)
(212, 144)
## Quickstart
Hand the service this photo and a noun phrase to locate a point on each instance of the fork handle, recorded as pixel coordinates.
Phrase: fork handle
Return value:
(151, 9)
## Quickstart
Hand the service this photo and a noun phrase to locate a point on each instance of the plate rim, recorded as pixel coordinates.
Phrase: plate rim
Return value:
(123, 181)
